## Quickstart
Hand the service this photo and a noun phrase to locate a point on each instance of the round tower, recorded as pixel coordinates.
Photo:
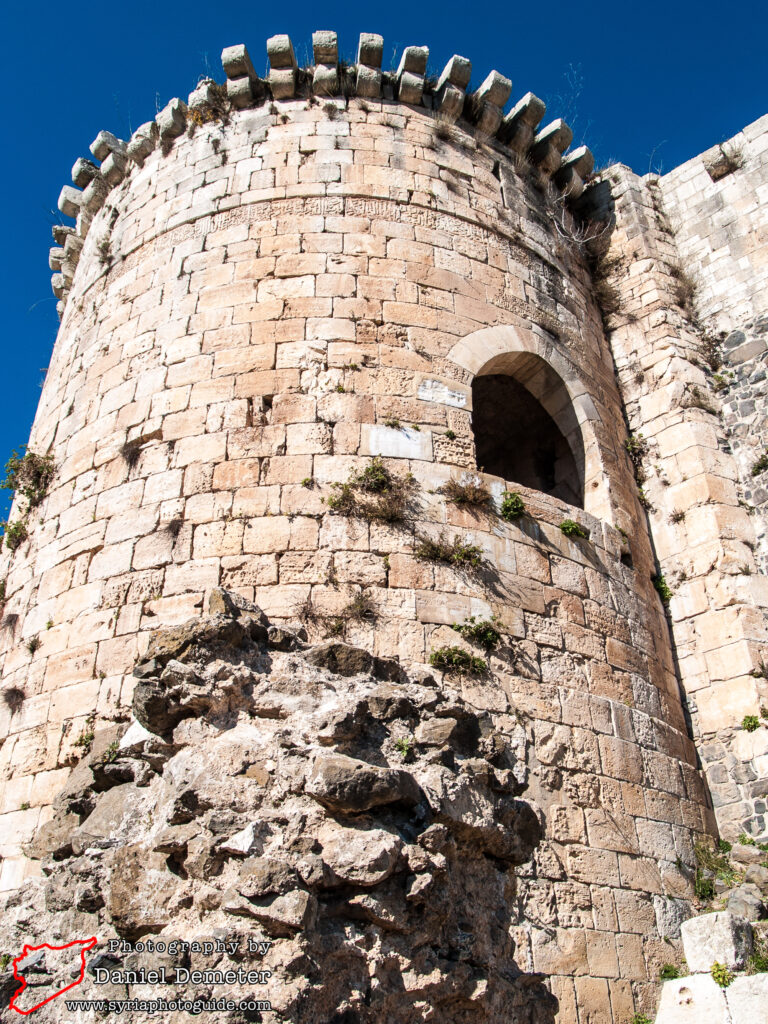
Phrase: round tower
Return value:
(329, 341)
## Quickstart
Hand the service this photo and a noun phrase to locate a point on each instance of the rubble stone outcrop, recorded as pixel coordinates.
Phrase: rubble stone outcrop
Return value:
(262, 796)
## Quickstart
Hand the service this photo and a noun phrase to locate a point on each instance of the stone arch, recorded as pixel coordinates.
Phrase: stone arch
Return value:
(553, 381)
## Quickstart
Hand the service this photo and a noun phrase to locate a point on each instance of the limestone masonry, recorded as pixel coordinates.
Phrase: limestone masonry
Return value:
(349, 358)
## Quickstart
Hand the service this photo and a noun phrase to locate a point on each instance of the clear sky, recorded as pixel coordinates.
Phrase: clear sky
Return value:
(648, 84)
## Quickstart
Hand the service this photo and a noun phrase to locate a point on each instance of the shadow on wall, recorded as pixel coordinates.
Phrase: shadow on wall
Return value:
(518, 438)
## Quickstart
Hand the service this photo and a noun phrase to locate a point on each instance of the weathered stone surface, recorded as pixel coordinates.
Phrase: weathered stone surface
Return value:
(746, 901)
(54, 838)
(720, 937)
(696, 999)
(140, 890)
(83, 172)
(351, 786)
(172, 119)
(236, 62)
(106, 143)
(757, 875)
(182, 640)
(365, 857)
(69, 201)
(239, 828)
(340, 658)
(142, 142)
(747, 998)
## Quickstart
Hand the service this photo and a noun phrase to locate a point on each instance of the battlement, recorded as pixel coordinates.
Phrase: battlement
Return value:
(479, 113)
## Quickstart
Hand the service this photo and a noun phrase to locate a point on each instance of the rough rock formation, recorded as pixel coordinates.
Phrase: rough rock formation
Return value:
(345, 831)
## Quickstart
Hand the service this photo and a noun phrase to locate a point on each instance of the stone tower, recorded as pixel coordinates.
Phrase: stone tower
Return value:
(287, 289)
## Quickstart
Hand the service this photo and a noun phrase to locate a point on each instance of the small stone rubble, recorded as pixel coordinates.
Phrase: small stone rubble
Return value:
(726, 995)
(733, 934)
(362, 825)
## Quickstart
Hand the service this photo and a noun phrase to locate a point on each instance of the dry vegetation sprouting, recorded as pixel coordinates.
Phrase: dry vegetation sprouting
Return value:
(684, 288)
(453, 552)
(467, 493)
(373, 493)
(30, 476)
(13, 698)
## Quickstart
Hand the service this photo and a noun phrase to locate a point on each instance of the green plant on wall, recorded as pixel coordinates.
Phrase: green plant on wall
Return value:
(662, 587)
(404, 747)
(721, 974)
(15, 533)
(572, 529)
(482, 632)
(669, 972)
(512, 506)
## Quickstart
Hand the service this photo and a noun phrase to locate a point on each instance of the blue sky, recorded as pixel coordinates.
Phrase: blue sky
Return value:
(648, 84)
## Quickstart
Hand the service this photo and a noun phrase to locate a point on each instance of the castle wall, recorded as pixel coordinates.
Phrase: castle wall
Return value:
(250, 309)
(687, 257)
(721, 232)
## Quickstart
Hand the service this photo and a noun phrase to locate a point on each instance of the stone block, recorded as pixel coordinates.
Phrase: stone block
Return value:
(720, 937)
(414, 60)
(560, 951)
(549, 144)
(282, 82)
(410, 74)
(747, 999)
(495, 89)
(369, 49)
(399, 443)
(240, 92)
(593, 997)
(113, 168)
(280, 52)
(172, 119)
(593, 866)
(696, 999)
(237, 63)
(142, 142)
(325, 47)
(94, 195)
(193, 575)
(83, 172)
(106, 143)
(457, 72)
(69, 201)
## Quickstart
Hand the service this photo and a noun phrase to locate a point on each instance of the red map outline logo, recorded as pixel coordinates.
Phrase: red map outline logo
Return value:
(86, 945)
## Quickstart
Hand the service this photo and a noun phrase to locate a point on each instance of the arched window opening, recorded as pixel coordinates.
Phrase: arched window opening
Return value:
(525, 427)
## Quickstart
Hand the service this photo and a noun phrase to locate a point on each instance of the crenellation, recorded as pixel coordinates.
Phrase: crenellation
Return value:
(283, 74)
(410, 74)
(549, 144)
(368, 65)
(488, 101)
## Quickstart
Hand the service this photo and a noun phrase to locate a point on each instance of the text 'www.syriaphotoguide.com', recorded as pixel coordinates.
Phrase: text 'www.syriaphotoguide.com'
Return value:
(193, 1006)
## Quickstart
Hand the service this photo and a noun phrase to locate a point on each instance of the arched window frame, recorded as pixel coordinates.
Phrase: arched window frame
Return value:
(503, 349)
